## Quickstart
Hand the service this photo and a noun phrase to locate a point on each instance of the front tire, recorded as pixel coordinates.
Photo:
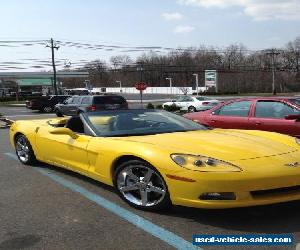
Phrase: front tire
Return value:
(192, 109)
(47, 109)
(141, 186)
(24, 150)
(58, 113)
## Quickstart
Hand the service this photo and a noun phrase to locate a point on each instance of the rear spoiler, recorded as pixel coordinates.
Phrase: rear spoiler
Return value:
(5, 123)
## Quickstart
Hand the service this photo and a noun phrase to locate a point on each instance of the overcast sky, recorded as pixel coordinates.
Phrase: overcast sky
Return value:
(257, 24)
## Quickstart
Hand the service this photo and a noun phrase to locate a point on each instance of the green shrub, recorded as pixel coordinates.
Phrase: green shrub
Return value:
(159, 106)
(219, 93)
(150, 106)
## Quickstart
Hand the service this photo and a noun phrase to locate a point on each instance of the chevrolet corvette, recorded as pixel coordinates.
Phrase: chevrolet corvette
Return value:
(155, 158)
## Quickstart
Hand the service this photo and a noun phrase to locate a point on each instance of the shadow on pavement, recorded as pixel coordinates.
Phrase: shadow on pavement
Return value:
(276, 218)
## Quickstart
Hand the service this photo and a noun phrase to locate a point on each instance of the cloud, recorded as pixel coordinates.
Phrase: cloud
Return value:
(174, 16)
(257, 9)
(183, 29)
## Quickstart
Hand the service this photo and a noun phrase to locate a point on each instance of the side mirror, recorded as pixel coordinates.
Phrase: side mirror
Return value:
(64, 131)
(292, 117)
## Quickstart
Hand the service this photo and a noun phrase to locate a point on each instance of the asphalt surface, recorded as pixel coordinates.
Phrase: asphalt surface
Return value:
(37, 212)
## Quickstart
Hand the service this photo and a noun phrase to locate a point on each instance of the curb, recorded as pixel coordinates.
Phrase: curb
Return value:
(13, 105)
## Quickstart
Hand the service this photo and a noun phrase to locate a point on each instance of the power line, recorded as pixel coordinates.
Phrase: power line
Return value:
(125, 49)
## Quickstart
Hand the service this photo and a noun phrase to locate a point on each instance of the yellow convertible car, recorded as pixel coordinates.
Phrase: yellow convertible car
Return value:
(155, 158)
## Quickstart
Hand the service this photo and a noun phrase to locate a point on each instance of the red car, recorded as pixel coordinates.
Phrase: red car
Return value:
(276, 114)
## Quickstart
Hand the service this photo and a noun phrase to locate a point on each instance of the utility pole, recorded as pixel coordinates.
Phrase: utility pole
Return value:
(273, 53)
(53, 46)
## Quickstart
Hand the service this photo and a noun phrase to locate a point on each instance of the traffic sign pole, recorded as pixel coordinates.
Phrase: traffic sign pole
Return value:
(141, 86)
(141, 94)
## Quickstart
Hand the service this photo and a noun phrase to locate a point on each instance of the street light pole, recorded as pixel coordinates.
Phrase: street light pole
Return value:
(140, 68)
(170, 80)
(120, 85)
(197, 82)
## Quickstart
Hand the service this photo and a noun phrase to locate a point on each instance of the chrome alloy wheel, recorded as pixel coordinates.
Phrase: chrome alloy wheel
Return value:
(22, 149)
(47, 109)
(141, 185)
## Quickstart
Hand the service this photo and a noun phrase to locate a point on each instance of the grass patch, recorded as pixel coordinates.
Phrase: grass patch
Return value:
(11, 103)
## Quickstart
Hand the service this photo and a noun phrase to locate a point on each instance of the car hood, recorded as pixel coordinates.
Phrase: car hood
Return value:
(229, 145)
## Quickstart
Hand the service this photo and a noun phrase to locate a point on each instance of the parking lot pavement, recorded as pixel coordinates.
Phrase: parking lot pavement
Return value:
(17, 113)
(40, 212)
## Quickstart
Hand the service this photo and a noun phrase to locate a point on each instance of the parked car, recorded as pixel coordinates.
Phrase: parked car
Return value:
(155, 159)
(77, 104)
(277, 114)
(192, 103)
(45, 103)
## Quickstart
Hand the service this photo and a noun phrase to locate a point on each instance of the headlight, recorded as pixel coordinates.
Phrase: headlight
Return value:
(298, 141)
(203, 163)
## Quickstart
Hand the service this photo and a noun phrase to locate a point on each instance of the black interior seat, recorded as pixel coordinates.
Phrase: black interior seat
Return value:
(75, 124)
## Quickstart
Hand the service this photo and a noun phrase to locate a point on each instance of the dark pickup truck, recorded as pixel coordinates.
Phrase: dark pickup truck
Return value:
(46, 103)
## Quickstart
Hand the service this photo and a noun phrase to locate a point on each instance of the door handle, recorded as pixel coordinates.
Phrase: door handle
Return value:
(257, 123)
(213, 121)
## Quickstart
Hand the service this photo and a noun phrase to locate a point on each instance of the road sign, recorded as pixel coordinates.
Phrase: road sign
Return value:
(141, 86)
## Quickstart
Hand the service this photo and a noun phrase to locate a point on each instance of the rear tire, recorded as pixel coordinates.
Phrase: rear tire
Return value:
(24, 150)
(141, 186)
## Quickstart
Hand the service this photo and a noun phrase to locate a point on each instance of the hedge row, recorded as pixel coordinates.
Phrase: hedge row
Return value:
(171, 108)
(219, 93)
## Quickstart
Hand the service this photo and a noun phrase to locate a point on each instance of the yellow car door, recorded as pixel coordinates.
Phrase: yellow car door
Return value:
(63, 150)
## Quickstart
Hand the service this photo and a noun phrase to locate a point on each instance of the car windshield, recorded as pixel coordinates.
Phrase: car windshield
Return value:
(202, 98)
(138, 122)
(179, 98)
(296, 101)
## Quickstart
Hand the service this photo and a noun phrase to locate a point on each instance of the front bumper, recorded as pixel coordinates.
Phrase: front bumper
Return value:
(256, 185)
